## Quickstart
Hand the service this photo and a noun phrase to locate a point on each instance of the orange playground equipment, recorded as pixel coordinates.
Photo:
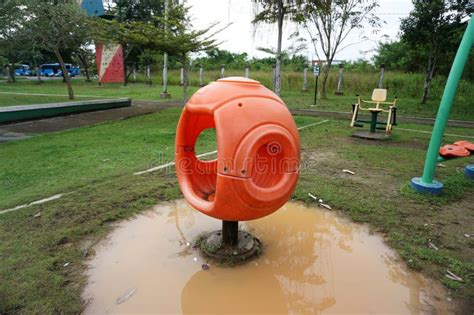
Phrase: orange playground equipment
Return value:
(458, 149)
(258, 150)
(257, 164)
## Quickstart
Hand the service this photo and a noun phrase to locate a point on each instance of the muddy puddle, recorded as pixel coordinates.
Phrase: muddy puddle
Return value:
(313, 262)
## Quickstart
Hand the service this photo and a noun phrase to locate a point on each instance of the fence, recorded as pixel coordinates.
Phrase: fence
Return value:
(353, 82)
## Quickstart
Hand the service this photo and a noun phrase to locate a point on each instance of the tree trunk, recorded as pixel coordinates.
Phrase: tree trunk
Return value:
(66, 77)
(11, 73)
(125, 82)
(281, 15)
(326, 68)
(185, 83)
(429, 72)
(9, 78)
(148, 75)
(127, 50)
(38, 75)
(86, 67)
(127, 75)
(86, 70)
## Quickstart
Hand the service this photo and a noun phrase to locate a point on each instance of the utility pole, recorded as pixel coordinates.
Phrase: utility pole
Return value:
(201, 76)
(339, 80)
(305, 79)
(382, 75)
(165, 93)
(316, 72)
(222, 71)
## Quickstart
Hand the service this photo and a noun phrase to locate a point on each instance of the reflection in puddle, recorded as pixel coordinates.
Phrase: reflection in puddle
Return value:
(313, 262)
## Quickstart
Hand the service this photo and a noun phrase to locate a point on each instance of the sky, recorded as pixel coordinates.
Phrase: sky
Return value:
(242, 36)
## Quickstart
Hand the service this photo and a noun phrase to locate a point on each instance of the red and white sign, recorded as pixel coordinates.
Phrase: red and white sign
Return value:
(109, 59)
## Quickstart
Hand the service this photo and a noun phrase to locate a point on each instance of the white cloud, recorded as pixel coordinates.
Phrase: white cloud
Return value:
(243, 36)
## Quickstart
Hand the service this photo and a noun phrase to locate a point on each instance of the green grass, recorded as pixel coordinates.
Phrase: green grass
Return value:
(462, 108)
(406, 86)
(61, 162)
(92, 90)
(55, 163)
(95, 164)
(13, 100)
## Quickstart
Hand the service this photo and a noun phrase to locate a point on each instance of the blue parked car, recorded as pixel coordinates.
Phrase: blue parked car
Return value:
(49, 69)
(54, 70)
(22, 70)
(75, 70)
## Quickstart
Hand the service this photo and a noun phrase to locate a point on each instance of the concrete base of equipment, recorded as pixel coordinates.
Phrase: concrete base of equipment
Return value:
(165, 95)
(371, 135)
(469, 171)
(247, 247)
(434, 188)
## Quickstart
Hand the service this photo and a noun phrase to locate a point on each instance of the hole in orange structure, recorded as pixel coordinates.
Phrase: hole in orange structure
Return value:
(204, 168)
(205, 143)
(268, 167)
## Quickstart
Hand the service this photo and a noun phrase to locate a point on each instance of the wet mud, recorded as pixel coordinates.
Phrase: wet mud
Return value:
(313, 262)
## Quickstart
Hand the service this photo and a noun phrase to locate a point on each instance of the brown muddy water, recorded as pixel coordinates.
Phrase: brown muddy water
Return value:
(313, 262)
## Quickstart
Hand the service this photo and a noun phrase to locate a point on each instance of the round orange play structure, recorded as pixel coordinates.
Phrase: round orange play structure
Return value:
(258, 150)
(453, 151)
(465, 144)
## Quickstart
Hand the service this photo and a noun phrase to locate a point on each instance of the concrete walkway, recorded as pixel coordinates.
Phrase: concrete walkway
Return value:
(22, 130)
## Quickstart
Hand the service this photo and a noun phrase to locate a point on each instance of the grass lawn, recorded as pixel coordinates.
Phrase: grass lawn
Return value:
(408, 105)
(16, 99)
(61, 162)
(84, 89)
(94, 165)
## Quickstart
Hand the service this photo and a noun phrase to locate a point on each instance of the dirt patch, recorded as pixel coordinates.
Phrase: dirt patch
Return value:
(454, 227)
(415, 144)
(331, 164)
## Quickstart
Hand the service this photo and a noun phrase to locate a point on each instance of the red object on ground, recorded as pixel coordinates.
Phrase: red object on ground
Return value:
(465, 144)
(258, 150)
(453, 151)
(109, 59)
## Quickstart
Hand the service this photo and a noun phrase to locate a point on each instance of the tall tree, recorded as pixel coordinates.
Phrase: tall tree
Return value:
(182, 39)
(178, 39)
(397, 55)
(137, 10)
(85, 57)
(55, 28)
(216, 57)
(133, 12)
(271, 11)
(431, 29)
(329, 23)
(13, 36)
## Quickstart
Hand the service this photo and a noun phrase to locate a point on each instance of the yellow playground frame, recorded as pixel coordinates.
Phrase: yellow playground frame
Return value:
(379, 98)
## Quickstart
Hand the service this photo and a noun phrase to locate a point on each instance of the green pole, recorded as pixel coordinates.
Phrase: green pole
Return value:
(447, 102)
